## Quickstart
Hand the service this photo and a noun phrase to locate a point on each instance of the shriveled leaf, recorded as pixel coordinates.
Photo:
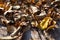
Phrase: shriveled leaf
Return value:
(47, 23)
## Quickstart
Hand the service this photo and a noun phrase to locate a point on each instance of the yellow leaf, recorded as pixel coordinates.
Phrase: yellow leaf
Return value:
(44, 23)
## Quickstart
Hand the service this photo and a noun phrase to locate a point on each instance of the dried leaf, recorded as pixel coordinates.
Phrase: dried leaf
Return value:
(45, 22)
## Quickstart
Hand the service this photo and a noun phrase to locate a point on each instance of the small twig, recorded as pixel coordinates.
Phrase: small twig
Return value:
(12, 35)
(15, 31)
(8, 37)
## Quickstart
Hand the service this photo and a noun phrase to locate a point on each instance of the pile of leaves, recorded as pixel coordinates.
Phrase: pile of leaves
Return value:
(28, 19)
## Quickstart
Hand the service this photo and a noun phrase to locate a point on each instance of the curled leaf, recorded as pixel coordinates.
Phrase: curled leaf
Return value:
(45, 23)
